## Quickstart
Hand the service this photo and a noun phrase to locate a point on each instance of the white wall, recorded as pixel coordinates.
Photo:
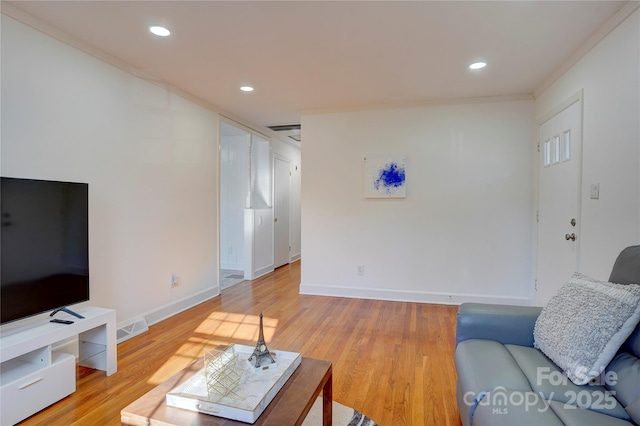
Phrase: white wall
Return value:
(149, 156)
(464, 231)
(610, 77)
(261, 170)
(234, 190)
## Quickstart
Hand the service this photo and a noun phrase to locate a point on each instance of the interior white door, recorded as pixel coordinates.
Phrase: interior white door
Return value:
(560, 139)
(281, 206)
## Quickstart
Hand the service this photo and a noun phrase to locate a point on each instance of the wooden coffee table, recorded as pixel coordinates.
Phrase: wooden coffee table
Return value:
(290, 406)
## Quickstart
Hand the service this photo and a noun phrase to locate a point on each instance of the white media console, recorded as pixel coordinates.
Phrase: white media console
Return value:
(33, 376)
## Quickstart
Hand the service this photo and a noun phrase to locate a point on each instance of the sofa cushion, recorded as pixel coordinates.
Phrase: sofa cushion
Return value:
(511, 408)
(503, 407)
(624, 381)
(632, 345)
(483, 365)
(583, 326)
(634, 410)
(575, 416)
(548, 381)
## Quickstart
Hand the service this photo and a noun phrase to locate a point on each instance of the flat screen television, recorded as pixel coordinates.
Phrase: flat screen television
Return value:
(44, 246)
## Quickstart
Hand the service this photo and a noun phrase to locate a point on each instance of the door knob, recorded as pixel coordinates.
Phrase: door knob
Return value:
(571, 237)
(275, 219)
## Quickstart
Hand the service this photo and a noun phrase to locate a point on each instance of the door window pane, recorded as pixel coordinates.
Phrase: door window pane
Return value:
(556, 150)
(546, 153)
(566, 145)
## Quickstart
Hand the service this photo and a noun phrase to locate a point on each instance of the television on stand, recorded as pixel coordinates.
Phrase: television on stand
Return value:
(44, 246)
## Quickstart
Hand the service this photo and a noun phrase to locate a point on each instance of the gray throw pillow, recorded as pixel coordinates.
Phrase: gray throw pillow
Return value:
(583, 326)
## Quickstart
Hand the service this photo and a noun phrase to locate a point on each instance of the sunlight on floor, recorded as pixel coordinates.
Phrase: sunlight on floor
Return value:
(218, 329)
(237, 326)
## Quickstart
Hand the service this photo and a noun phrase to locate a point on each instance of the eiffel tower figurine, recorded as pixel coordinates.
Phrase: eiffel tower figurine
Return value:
(261, 352)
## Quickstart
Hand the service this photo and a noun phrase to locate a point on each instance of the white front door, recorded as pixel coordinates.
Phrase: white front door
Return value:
(281, 206)
(560, 139)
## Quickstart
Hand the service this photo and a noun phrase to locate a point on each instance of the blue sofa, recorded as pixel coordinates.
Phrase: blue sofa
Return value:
(504, 380)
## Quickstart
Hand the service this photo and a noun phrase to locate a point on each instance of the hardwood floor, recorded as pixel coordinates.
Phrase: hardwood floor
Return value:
(391, 360)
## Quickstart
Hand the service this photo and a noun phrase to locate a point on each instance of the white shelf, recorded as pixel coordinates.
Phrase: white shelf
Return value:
(15, 369)
(98, 325)
(33, 377)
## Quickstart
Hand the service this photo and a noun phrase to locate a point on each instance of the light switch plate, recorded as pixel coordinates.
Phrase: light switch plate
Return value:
(595, 191)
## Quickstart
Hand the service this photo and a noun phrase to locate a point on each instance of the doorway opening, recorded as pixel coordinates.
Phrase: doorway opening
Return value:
(246, 216)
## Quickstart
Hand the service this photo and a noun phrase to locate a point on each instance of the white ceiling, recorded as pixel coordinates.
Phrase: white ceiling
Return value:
(329, 56)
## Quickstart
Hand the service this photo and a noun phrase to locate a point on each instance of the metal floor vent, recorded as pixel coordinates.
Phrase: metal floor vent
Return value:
(126, 332)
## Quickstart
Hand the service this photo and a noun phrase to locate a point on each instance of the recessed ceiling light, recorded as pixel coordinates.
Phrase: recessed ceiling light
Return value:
(160, 31)
(477, 65)
(246, 89)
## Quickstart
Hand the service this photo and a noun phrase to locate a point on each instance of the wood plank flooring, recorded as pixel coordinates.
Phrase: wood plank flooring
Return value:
(391, 360)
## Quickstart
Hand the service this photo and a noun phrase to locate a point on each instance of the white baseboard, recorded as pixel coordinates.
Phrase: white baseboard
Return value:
(295, 257)
(262, 271)
(409, 296)
(156, 315)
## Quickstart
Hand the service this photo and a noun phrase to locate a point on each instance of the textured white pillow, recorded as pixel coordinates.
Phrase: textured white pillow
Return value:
(583, 326)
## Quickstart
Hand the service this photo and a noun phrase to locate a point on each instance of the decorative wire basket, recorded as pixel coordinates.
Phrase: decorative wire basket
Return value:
(222, 373)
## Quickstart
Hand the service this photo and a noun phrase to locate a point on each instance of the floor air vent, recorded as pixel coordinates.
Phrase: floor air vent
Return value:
(130, 329)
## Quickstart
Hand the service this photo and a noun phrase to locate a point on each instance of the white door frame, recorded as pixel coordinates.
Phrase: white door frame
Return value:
(576, 97)
(251, 270)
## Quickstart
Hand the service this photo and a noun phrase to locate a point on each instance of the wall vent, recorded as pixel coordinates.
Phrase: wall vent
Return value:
(285, 127)
(290, 130)
(131, 328)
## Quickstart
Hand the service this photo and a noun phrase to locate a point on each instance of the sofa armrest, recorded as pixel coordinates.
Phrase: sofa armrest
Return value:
(507, 324)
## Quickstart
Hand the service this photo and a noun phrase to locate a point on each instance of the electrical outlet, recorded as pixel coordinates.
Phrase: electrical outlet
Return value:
(360, 270)
(175, 280)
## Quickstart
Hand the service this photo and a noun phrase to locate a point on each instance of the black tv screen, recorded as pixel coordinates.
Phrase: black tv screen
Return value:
(44, 246)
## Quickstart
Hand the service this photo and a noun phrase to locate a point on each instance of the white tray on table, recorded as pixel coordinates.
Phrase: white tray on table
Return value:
(257, 388)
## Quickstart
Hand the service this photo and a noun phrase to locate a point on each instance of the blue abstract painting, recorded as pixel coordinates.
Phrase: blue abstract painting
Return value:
(385, 177)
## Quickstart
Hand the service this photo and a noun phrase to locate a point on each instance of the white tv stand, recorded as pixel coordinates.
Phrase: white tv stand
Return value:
(32, 376)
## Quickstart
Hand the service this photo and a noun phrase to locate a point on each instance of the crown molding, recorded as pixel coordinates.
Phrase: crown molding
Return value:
(422, 104)
(625, 11)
